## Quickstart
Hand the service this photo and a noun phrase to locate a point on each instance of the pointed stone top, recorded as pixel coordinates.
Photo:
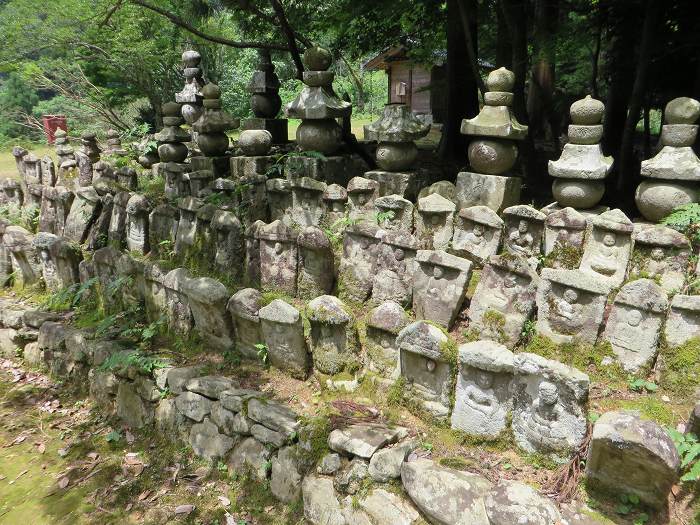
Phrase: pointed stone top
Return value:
(643, 294)
(587, 111)
(682, 110)
(486, 355)
(400, 239)
(388, 316)
(206, 290)
(397, 124)
(211, 91)
(392, 202)
(500, 79)
(225, 220)
(442, 258)
(524, 211)
(176, 279)
(614, 220)
(482, 215)
(436, 203)
(515, 264)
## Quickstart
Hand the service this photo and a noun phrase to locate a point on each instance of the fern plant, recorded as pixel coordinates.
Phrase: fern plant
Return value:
(688, 448)
(685, 219)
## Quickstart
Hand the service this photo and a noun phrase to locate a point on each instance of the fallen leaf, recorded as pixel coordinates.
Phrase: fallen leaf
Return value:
(269, 509)
(224, 501)
(184, 509)
(41, 448)
(128, 507)
(63, 482)
(230, 519)
(675, 490)
(145, 494)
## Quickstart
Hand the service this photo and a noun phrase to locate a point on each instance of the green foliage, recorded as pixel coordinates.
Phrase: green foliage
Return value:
(26, 216)
(641, 385)
(680, 367)
(262, 352)
(384, 216)
(132, 359)
(395, 393)
(113, 436)
(688, 448)
(685, 219)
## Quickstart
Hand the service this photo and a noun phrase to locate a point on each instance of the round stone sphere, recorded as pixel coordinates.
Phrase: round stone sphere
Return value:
(265, 105)
(321, 135)
(317, 59)
(657, 198)
(682, 110)
(396, 156)
(492, 156)
(191, 113)
(255, 142)
(500, 79)
(212, 144)
(578, 193)
(587, 111)
(172, 152)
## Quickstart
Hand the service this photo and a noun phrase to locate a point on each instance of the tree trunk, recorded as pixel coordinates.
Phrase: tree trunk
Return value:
(504, 44)
(515, 16)
(595, 59)
(628, 163)
(462, 97)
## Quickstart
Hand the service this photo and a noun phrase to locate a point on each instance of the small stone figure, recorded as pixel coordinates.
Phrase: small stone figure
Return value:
(333, 340)
(23, 253)
(162, 229)
(434, 219)
(672, 176)
(114, 144)
(549, 410)
(564, 231)
(83, 213)
(361, 196)
(683, 321)
(394, 213)
(283, 331)
(55, 205)
(187, 224)
(229, 251)
(335, 200)
(493, 152)
(137, 211)
(395, 267)
(318, 106)
(179, 314)
(356, 271)
(212, 125)
(307, 204)
(477, 234)
(86, 157)
(316, 268)
(634, 323)
(524, 229)
(384, 323)
(661, 253)
(207, 299)
(570, 305)
(608, 248)
(278, 258)
(244, 306)
(504, 299)
(279, 195)
(423, 365)
(581, 169)
(483, 399)
(439, 286)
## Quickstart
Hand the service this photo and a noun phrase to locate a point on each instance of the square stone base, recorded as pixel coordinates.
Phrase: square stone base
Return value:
(242, 167)
(331, 170)
(219, 166)
(404, 183)
(494, 191)
(278, 128)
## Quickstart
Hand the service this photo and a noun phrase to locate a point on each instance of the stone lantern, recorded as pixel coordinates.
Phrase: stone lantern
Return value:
(672, 176)
(191, 97)
(318, 106)
(265, 100)
(395, 132)
(493, 152)
(580, 170)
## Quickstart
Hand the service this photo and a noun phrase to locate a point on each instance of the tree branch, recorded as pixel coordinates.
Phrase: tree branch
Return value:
(211, 38)
(291, 36)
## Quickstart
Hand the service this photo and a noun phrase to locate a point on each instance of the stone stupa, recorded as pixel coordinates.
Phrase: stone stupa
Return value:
(672, 176)
(191, 95)
(581, 169)
(395, 133)
(172, 151)
(265, 100)
(493, 152)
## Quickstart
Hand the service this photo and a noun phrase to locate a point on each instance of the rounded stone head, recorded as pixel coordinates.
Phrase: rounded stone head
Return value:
(483, 379)
(570, 295)
(657, 254)
(682, 110)
(317, 59)
(399, 254)
(523, 226)
(438, 272)
(634, 317)
(500, 79)
(609, 239)
(587, 111)
(478, 229)
(548, 393)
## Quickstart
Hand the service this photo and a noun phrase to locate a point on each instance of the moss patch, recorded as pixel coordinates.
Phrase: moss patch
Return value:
(680, 370)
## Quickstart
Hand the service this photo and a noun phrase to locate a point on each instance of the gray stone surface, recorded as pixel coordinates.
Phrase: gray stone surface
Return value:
(278, 258)
(446, 496)
(394, 268)
(350, 477)
(634, 323)
(483, 399)
(512, 502)
(206, 441)
(316, 265)
(321, 506)
(285, 480)
(266, 436)
(632, 456)
(387, 508)
(439, 286)
(608, 247)
(362, 439)
(564, 228)
(210, 386)
(385, 464)
(477, 233)
(274, 416)
(493, 191)
(683, 321)
(236, 399)
(660, 253)
(329, 464)
(131, 409)
(193, 406)
(243, 307)
(549, 406)
(283, 332)
(504, 299)
(178, 377)
(361, 196)
(524, 232)
(307, 202)
(207, 299)
(384, 323)
(398, 213)
(180, 319)
(356, 271)
(571, 305)
(333, 339)
(250, 455)
(425, 367)
(434, 219)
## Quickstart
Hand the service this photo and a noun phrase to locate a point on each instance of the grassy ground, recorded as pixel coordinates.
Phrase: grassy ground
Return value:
(8, 169)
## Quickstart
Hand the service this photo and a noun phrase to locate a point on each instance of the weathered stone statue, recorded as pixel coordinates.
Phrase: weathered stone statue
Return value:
(25, 259)
(64, 153)
(483, 399)
(279, 195)
(524, 229)
(549, 409)
(335, 199)
(396, 132)
(581, 169)
(162, 228)
(307, 202)
(394, 213)
(207, 299)
(504, 299)
(114, 144)
(191, 97)
(179, 314)
(434, 217)
(477, 234)
(318, 106)
(86, 157)
(493, 153)
(137, 211)
(244, 306)
(187, 223)
(278, 258)
(384, 323)
(394, 268)
(283, 331)
(564, 231)
(683, 321)
(249, 174)
(265, 100)
(361, 196)
(661, 253)
(672, 176)
(83, 212)
(55, 206)
(356, 272)
(425, 368)
(570, 305)
(634, 323)
(59, 261)
(439, 286)
(608, 248)
(333, 340)
(227, 237)
(316, 267)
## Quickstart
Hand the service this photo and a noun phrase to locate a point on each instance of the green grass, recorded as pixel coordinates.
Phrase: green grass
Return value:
(8, 168)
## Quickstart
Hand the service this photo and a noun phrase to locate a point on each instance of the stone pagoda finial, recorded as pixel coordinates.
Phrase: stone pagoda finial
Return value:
(396, 131)
(264, 88)
(318, 106)
(114, 143)
(674, 172)
(191, 96)
(493, 152)
(580, 170)
(89, 146)
(172, 136)
(213, 123)
(64, 151)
